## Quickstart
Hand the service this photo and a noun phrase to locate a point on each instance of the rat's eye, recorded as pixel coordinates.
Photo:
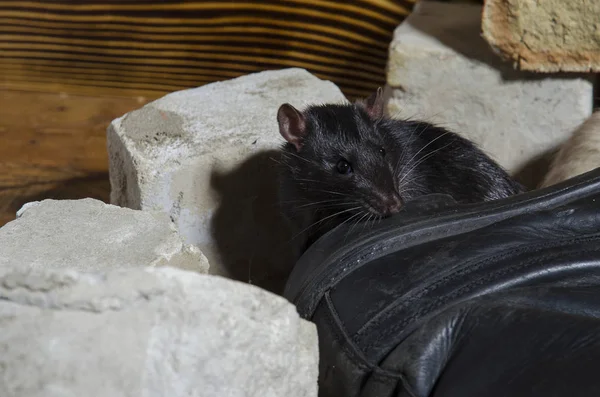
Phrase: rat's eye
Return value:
(343, 167)
(382, 151)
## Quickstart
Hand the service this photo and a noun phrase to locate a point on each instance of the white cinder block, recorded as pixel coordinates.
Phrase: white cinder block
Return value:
(205, 157)
(90, 235)
(149, 332)
(441, 70)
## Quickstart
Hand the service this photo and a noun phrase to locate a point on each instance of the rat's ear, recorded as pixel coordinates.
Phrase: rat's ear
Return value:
(373, 105)
(292, 125)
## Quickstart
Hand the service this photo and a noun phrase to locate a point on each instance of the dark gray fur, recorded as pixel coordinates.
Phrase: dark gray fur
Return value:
(418, 158)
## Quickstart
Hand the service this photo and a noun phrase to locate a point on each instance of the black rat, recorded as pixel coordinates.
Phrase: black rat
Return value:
(350, 163)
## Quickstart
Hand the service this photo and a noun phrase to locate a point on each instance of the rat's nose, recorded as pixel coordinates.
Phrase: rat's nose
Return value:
(392, 204)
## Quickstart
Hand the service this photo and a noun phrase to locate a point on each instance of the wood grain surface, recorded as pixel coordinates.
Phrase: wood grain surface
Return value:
(150, 47)
(54, 146)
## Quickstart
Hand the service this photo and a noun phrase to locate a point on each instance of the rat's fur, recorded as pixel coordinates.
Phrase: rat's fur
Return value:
(417, 159)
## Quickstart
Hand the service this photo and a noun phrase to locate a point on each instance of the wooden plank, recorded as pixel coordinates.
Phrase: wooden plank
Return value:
(151, 47)
(54, 146)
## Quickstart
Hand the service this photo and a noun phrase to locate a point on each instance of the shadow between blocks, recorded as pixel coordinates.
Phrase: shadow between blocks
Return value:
(253, 240)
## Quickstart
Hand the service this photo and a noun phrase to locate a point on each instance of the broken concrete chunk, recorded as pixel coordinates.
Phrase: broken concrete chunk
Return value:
(545, 36)
(206, 156)
(88, 235)
(578, 155)
(150, 332)
(441, 70)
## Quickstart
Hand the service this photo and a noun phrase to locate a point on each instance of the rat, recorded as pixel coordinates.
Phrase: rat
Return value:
(351, 163)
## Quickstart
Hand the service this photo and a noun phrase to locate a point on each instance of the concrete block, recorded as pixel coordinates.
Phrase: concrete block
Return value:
(578, 155)
(149, 332)
(90, 235)
(206, 156)
(545, 36)
(441, 70)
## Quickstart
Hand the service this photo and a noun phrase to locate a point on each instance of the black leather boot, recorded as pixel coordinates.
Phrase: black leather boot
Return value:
(487, 300)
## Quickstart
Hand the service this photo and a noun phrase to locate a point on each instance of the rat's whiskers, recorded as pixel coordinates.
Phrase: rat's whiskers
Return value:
(324, 219)
(422, 159)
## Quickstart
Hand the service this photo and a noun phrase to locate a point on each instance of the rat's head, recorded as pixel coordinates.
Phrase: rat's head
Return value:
(340, 157)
